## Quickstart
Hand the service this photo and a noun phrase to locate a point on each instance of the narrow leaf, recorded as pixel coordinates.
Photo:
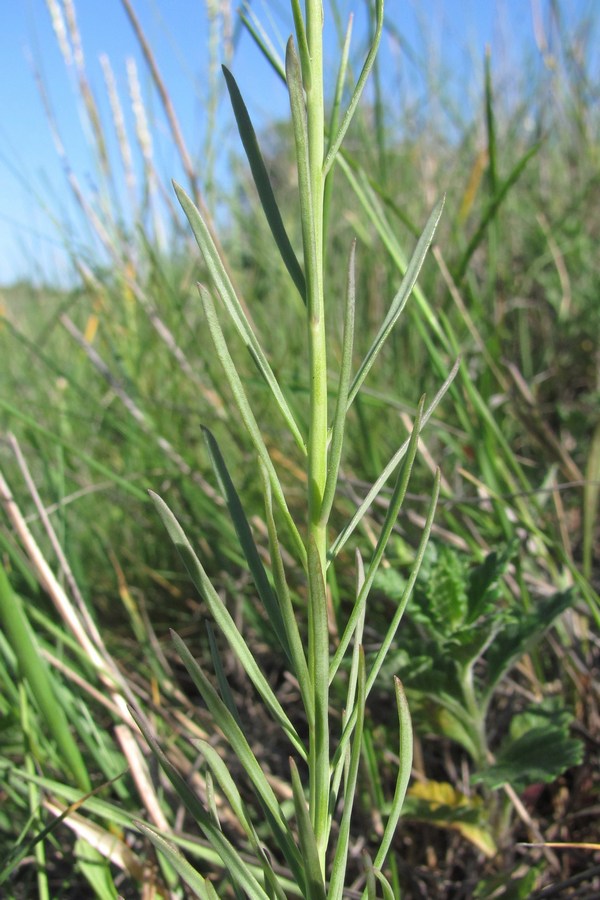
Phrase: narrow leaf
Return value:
(347, 531)
(340, 860)
(314, 886)
(227, 292)
(318, 657)
(356, 95)
(232, 861)
(246, 539)
(339, 419)
(393, 510)
(263, 184)
(228, 786)
(300, 126)
(224, 620)
(238, 742)
(247, 415)
(400, 300)
(405, 755)
(299, 662)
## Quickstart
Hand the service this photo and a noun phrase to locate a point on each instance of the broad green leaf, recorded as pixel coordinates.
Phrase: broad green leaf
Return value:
(263, 184)
(518, 636)
(314, 887)
(228, 295)
(542, 754)
(224, 620)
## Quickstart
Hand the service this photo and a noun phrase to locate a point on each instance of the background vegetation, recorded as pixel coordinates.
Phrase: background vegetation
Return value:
(105, 387)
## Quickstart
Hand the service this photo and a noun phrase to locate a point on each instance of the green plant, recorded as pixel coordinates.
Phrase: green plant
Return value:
(465, 633)
(314, 846)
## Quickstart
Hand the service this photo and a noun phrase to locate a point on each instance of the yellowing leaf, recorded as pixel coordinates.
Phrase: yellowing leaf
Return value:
(440, 804)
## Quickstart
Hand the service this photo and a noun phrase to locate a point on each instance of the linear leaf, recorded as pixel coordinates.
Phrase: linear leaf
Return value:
(393, 510)
(247, 415)
(339, 418)
(263, 184)
(347, 531)
(405, 754)
(246, 539)
(300, 126)
(201, 887)
(400, 299)
(356, 95)
(229, 297)
(232, 861)
(228, 786)
(236, 738)
(288, 613)
(340, 860)
(224, 620)
(349, 725)
(313, 879)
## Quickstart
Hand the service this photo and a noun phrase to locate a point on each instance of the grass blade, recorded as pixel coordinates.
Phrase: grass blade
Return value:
(201, 887)
(263, 184)
(491, 211)
(40, 680)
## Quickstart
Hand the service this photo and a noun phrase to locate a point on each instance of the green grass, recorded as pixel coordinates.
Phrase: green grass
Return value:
(110, 390)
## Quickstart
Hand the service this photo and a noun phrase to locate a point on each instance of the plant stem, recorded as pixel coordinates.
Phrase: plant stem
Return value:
(317, 441)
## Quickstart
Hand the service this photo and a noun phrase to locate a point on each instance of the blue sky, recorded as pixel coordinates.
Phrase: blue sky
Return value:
(33, 188)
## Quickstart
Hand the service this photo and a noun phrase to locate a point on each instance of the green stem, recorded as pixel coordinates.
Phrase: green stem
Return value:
(317, 443)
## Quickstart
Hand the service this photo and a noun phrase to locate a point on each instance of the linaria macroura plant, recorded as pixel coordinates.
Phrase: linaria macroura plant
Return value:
(306, 852)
